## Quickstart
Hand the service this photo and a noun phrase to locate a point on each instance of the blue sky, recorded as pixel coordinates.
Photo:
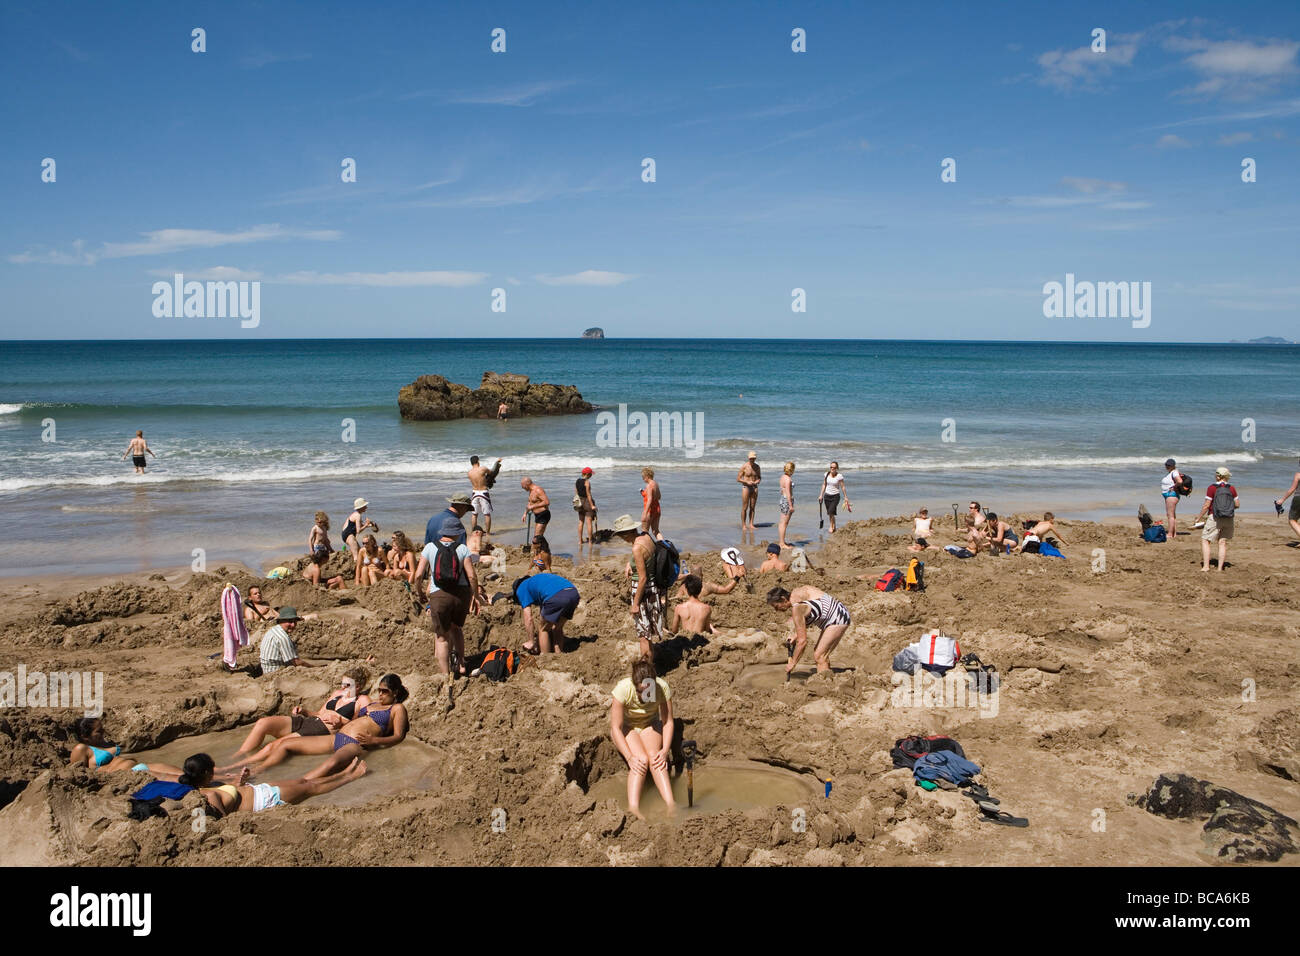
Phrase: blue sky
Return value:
(775, 169)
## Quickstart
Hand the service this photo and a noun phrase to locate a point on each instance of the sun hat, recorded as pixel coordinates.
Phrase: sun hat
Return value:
(625, 523)
(753, 454)
(586, 471)
(773, 548)
(1222, 474)
(459, 498)
(360, 503)
(732, 556)
(288, 613)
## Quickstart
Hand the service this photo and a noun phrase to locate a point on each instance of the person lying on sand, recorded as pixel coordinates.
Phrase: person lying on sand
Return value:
(330, 717)
(694, 616)
(773, 562)
(94, 749)
(810, 605)
(229, 797)
(382, 722)
(641, 726)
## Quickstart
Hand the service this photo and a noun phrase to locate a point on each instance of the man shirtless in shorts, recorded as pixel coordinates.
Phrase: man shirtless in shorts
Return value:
(749, 477)
(538, 504)
(693, 616)
(480, 482)
(137, 449)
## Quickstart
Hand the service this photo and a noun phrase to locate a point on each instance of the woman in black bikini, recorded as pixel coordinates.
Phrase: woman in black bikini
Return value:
(333, 714)
(357, 523)
(381, 723)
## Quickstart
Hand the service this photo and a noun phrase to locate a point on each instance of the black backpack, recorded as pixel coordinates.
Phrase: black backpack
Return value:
(1184, 486)
(907, 750)
(447, 565)
(499, 664)
(1223, 505)
(665, 565)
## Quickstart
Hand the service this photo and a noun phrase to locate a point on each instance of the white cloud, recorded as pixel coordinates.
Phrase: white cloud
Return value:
(588, 277)
(1237, 68)
(1067, 69)
(1086, 184)
(1172, 141)
(523, 95)
(385, 279)
(255, 61)
(163, 241)
(1231, 139)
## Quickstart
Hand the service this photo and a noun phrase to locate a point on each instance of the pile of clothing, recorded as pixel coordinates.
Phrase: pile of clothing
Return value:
(939, 763)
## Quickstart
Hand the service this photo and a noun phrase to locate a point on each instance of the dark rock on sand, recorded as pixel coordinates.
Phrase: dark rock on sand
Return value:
(431, 398)
(1238, 830)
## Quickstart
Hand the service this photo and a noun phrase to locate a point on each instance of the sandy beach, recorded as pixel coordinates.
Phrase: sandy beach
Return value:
(1108, 679)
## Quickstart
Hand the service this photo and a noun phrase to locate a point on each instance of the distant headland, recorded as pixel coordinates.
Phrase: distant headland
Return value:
(595, 332)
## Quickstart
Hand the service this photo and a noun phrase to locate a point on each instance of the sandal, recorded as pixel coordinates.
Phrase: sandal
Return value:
(991, 814)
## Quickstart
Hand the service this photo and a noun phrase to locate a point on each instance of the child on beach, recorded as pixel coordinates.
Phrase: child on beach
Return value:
(641, 726)
(773, 561)
(693, 616)
(1037, 532)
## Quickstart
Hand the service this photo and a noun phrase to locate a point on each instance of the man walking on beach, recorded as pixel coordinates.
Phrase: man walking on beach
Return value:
(749, 477)
(538, 503)
(1293, 516)
(453, 595)
(481, 480)
(137, 449)
(1219, 512)
(448, 522)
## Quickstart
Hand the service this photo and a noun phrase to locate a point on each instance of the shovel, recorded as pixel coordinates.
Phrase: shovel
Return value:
(688, 751)
(955, 525)
(821, 522)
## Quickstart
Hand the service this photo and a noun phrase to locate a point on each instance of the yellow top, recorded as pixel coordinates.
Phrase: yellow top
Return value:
(641, 710)
(229, 789)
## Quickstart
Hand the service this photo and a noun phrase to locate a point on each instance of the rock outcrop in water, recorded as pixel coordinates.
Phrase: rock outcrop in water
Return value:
(595, 332)
(431, 398)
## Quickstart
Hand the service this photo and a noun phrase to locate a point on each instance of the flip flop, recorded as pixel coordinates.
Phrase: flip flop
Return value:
(991, 814)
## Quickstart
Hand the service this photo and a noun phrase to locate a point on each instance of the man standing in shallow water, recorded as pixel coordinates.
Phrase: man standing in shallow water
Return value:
(481, 479)
(749, 477)
(137, 449)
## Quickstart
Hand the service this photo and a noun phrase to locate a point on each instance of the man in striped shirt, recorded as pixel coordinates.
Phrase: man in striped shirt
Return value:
(277, 648)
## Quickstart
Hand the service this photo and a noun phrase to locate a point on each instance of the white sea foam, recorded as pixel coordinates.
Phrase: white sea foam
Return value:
(11, 409)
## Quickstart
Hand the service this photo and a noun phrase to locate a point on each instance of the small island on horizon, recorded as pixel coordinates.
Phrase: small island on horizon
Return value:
(595, 332)
(1263, 340)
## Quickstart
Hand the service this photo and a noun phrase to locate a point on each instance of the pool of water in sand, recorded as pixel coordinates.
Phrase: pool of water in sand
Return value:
(410, 765)
(720, 785)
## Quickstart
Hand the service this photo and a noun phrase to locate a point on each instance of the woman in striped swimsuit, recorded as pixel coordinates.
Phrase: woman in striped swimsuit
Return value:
(810, 605)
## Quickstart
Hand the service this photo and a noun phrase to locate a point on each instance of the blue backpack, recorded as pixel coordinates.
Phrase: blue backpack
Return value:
(1155, 534)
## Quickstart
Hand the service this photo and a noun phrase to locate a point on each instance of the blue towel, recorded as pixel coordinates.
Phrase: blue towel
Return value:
(161, 788)
(946, 765)
(1050, 550)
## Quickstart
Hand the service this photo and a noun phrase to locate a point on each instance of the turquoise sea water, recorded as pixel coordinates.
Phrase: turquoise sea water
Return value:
(250, 434)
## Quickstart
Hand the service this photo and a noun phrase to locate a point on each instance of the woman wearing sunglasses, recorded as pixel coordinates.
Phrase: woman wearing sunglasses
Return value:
(333, 714)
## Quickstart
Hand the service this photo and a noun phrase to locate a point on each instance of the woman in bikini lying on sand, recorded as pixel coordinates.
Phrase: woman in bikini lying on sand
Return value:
(333, 714)
(95, 750)
(229, 797)
(380, 723)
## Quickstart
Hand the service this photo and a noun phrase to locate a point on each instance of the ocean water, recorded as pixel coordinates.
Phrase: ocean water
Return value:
(250, 435)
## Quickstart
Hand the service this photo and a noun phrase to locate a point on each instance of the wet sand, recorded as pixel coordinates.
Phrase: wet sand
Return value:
(1109, 679)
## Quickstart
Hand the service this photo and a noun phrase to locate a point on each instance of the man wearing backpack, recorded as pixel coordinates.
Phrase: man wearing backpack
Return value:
(1221, 504)
(453, 594)
(649, 594)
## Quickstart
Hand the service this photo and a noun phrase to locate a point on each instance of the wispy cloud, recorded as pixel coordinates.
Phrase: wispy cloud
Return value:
(387, 279)
(521, 195)
(1086, 184)
(1084, 69)
(215, 273)
(352, 192)
(1237, 69)
(1172, 141)
(163, 241)
(1232, 139)
(1276, 111)
(587, 277)
(255, 61)
(523, 95)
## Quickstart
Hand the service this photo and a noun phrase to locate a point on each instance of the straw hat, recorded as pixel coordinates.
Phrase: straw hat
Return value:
(753, 455)
(360, 503)
(625, 523)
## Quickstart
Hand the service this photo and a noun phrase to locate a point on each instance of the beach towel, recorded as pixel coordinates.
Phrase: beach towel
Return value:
(161, 788)
(1049, 549)
(234, 634)
(941, 765)
(959, 552)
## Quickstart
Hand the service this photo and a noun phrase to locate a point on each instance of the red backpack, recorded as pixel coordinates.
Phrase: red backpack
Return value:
(890, 580)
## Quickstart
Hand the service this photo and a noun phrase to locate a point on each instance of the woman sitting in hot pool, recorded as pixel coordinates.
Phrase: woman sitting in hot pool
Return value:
(381, 723)
(641, 726)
